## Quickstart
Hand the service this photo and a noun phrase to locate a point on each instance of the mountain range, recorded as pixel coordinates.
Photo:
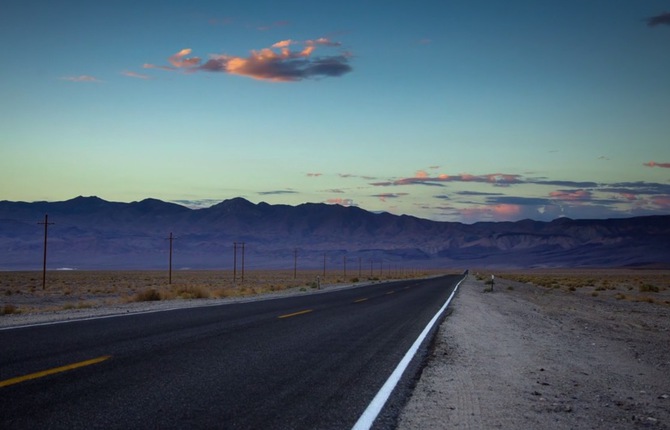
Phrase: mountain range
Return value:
(91, 233)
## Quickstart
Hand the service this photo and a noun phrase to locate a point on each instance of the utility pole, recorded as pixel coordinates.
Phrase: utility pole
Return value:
(44, 261)
(171, 239)
(344, 265)
(295, 263)
(242, 261)
(324, 266)
(234, 262)
(360, 266)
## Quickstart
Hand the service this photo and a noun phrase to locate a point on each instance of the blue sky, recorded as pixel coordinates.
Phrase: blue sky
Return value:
(448, 110)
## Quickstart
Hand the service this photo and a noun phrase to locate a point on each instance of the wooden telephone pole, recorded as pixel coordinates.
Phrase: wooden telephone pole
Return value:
(171, 239)
(44, 261)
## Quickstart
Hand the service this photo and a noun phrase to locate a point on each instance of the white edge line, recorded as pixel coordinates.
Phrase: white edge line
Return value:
(374, 408)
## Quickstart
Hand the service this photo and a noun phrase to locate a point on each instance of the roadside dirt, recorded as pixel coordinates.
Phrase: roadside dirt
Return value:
(524, 356)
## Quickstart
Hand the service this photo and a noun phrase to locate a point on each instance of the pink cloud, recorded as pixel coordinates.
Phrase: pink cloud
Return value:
(628, 196)
(277, 64)
(576, 195)
(655, 164)
(283, 43)
(81, 78)
(179, 59)
(323, 41)
(502, 178)
(314, 175)
(341, 202)
(663, 202)
(154, 66)
(136, 75)
(280, 64)
(499, 212)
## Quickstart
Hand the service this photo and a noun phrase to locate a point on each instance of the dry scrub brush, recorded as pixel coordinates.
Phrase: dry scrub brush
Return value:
(620, 284)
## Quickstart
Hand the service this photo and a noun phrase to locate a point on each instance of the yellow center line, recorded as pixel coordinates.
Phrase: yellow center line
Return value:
(306, 311)
(360, 300)
(60, 369)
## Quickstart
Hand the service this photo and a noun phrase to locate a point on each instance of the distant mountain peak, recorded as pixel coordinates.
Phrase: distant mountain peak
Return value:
(82, 199)
(235, 204)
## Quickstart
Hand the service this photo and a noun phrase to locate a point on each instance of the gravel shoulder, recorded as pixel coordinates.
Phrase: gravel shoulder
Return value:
(523, 357)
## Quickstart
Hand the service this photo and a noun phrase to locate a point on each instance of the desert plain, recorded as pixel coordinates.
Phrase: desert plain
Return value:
(67, 290)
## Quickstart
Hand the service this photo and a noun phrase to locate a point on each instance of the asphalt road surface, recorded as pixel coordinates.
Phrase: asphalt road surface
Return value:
(305, 362)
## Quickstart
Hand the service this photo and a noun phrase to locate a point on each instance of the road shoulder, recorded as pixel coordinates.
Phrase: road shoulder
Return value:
(529, 357)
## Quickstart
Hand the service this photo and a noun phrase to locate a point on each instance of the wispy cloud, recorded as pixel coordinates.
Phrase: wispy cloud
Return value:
(383, 197)
(571, 195)
(422, 178)
(655, 164)
(276, 24)
(663, 18)
(314, 175)
(637, 188)
(277, 192)
(80, 78)
(572, 184)
(135, 75)
(278, 63)
(476, 193)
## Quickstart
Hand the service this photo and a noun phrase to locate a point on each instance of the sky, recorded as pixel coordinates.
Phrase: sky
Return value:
(464, 110)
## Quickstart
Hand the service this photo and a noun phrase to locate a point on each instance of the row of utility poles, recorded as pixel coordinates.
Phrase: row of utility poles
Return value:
(344, 266)
(170, 238)
(236, 246)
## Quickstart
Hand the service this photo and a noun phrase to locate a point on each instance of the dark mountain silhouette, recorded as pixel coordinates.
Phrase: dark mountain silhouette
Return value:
(91, 233)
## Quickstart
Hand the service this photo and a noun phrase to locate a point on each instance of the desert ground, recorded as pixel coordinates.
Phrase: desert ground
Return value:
(21, 293)
(559, 349)
(587, 349)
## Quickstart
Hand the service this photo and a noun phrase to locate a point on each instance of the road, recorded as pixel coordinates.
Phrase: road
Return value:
(313, 362)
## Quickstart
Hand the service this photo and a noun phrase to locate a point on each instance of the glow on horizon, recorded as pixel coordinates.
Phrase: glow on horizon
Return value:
(450, 111)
